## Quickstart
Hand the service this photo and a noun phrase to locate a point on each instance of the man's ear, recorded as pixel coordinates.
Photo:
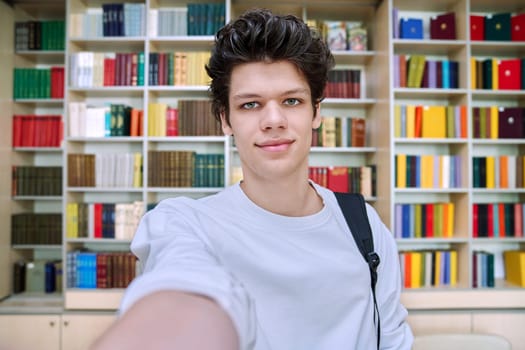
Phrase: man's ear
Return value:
(316, 122)
(226, 128)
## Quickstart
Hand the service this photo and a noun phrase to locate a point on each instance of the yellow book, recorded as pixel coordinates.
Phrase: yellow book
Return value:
(411, 120)
(72, 220)
(494, 122)
(434, 122)
(397, 121)
(328, 132)
(151, 119)
(137, 169)
(450, 219)
(427, 171)
(491, 171)
(495, 74)
(418, 233)
(415, 270)
(453, 268)
(401, 170)
(473, 73)
(515, 267)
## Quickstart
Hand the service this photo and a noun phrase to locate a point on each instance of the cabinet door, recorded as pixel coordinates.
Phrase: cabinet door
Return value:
(506, 323)
(79, 331)
(21, 332)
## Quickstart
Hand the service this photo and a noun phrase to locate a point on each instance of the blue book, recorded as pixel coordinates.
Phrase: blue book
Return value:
(411, 28)
(445, 74)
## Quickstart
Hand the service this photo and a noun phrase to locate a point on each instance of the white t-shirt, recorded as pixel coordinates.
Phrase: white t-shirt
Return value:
(288, 283)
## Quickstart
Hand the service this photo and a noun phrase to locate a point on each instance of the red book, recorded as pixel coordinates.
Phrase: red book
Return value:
(501, 217)
(443, 26)
(17, 130)
(509, 74)
(477, 27)
(419, 121)
(429, 223)
(172, 122)
(517, 27)
(338, 178)
(97, 217)
(475, 220)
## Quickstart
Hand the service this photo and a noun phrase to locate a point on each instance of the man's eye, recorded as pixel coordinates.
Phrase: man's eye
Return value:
(291, 101)
(250, 105)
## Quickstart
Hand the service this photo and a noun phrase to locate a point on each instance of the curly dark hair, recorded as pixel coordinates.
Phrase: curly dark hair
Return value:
(259, 35)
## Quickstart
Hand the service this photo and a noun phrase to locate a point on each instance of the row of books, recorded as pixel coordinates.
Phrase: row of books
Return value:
(36, 228)
(497, 74)
(104, 170)
(441, 26)
(90, 270)
(172, 21)
(178, 68)
(503, 26)
(343, 83)
(498, 122)
(37, 276)
(490, 27)
(185, 169)
(504, 171)
(356, 179)
(419, 121)
(38, 83)
(340, 132)
(424, 220)
(343, 35)
(37, 130)
(205, 18)
(123, 19)
(187, 118)
(428, 171)
(417, 71)
(40, 35)
(514, 261)
(96, 69)
(29, 180)
(483, 269)
(114, 119)
(498, 220)
(103, 220)
(429, 268)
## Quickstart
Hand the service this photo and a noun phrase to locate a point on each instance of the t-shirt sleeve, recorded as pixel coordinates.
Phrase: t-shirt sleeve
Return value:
(174, 256)
(395, 331)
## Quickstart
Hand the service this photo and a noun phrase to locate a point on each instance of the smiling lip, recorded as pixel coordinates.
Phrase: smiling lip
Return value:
(275, 145)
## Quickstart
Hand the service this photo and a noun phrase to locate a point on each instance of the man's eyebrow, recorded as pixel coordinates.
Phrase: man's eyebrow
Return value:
(284, 93)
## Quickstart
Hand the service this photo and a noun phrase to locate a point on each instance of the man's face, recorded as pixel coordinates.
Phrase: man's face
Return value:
(271, 118)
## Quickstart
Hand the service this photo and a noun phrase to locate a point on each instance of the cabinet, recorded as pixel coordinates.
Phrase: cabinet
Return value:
(51, 332)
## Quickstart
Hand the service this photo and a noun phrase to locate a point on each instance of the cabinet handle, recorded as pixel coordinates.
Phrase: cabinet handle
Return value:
(66, 323)
(52, 323)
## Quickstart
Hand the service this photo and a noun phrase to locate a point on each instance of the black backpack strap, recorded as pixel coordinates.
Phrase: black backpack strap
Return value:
(354, 210)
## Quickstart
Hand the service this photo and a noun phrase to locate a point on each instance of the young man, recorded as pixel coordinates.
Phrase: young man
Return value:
(268, 263)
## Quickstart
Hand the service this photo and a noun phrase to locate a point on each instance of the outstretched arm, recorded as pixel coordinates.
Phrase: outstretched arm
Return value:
(171, 320)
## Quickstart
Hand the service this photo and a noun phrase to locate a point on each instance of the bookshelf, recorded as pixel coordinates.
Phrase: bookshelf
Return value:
(377, 103)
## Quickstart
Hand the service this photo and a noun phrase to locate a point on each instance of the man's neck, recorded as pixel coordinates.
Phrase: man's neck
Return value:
(298, 198)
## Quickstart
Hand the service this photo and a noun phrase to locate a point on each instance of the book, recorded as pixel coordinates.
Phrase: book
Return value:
(443, 26)
(515, 267)
(518, 27)
(509, 74)
(411, 28)
(510, 122)
(497, 27)
(477, 27)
